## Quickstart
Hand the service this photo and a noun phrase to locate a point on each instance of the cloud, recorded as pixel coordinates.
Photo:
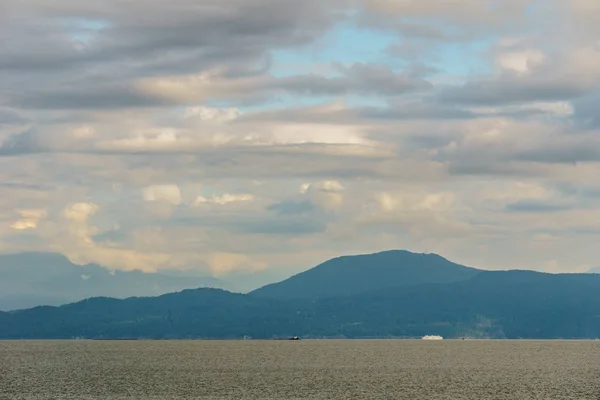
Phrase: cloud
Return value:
(536, 206)
(216, 84)
(433, 202)
(222, 263)
(80, 212)
(291, 207)
(190, 30)
(359, 78)
(166, 193)
(29, 219)
(521, 62)
(11, 117)
(224, 199)
(322, 186)
(495, 92)
(21, 143)
(288, 226)
(247, 134)
(328, 194)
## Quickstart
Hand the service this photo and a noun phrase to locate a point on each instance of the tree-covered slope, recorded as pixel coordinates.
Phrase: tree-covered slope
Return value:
(513, 304)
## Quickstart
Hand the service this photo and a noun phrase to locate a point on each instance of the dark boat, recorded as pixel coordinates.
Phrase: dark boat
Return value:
(294, 338)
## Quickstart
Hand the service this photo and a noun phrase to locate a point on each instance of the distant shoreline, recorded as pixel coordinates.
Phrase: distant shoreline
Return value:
(303, 339)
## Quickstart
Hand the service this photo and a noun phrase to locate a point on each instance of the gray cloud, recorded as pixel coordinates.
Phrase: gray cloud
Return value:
(512, 91)
(87, 97)
(422, 31)
(289, 225)
(110, 236)
(74, 56)
(22, 143)
(291, 207)
(112, 31)
(101, 100)
(12, 117)
(418, 110)
(359, 78)
(283, 226)
(586, 109)
(530, 206)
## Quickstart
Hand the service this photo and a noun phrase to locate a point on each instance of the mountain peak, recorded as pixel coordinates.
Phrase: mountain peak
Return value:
(349, 275)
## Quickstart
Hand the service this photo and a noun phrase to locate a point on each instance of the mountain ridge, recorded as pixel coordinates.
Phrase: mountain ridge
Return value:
(509, 304)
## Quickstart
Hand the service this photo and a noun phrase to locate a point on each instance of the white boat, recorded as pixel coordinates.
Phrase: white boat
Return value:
(432, 337)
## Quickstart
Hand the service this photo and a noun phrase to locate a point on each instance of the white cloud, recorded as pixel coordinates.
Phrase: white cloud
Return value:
(224, 199)
(521, 62)
(164, 193)
(80, 212)
(29, 219)
(212, 113)
(433, 202)
(329, 194)
(82, 132)
(327, 186)
(153, 140)
(223, 263)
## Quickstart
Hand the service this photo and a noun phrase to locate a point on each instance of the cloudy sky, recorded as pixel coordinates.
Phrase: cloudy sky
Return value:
(231, 136)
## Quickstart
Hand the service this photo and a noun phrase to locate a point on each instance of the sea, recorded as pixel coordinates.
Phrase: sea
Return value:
(304, 369)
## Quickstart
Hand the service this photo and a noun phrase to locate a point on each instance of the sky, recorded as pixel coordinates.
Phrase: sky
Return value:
(230, 137)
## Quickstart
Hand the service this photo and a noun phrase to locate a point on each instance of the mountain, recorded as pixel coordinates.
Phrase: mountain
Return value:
(31, 279)
(507, 304)
(595, 270)
(349, 275)
(486, 304)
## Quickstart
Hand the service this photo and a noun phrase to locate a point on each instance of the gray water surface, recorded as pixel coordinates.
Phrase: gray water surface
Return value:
(319, 369)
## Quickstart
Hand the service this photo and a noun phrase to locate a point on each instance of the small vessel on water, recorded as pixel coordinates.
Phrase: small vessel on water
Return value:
(432, 337)
(294, 338)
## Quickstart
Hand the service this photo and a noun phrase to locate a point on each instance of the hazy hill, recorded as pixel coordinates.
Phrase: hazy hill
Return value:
(31, 279)
(350, 275)
(595, 270)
